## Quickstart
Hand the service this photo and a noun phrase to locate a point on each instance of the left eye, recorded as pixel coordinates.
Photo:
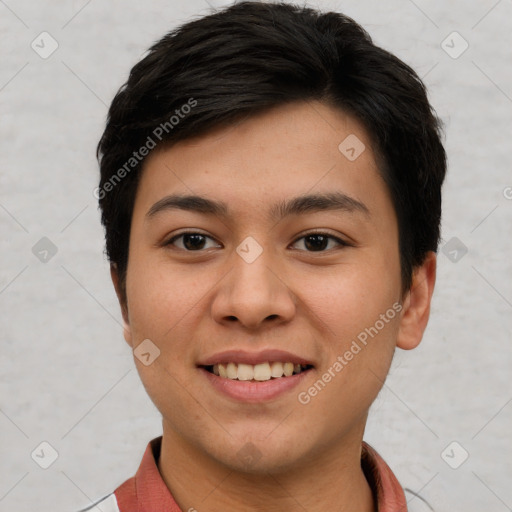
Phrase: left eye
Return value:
(314, 242)
(318, 242)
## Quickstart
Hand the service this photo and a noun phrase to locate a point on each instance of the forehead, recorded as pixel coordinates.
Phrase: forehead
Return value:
(289, 151)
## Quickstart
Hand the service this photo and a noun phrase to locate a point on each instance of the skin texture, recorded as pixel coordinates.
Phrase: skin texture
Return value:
(193, 304)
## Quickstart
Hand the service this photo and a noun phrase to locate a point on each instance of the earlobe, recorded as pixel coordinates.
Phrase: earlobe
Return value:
(114, 274)
(416, 307)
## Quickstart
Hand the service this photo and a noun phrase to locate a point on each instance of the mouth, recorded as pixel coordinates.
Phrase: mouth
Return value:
(255, 377)
(262, 372)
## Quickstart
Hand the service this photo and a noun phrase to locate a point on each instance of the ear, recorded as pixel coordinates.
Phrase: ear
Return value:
(114, 274)
(416, 306)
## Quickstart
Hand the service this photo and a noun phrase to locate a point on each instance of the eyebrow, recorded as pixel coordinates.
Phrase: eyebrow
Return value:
(300, 205)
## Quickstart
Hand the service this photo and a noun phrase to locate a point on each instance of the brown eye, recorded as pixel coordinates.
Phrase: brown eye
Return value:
(190, 241)
(318, 242)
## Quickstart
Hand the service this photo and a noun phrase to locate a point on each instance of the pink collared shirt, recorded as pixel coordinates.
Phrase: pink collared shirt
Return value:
(147, 492)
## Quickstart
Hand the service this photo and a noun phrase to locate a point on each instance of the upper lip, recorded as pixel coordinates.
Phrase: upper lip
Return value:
(263, 356)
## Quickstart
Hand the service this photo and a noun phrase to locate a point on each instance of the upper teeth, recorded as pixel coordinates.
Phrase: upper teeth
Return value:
(262, 371)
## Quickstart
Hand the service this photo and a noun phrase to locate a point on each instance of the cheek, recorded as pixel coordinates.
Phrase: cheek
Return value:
(161, 297)
(356, 310)
(356, 364)
(162, 310)
(351, 298)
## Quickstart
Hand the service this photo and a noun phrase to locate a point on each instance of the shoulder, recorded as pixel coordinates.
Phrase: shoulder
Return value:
(106, 504)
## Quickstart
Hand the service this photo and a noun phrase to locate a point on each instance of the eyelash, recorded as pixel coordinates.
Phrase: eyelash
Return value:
(340, 242)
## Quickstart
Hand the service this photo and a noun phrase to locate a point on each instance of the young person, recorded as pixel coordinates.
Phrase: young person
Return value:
(271, 194)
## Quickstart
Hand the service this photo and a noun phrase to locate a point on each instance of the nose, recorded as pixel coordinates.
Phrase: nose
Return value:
(254, 294)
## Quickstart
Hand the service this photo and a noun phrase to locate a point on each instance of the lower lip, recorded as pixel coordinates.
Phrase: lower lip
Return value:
(252, 391)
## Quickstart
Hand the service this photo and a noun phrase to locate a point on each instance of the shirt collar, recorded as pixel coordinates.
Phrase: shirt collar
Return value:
(147, 492)
(387, 491)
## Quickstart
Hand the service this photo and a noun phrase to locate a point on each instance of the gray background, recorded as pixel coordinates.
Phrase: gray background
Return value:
(66, 375)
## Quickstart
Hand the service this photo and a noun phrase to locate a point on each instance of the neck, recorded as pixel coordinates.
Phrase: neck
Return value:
(331, 480)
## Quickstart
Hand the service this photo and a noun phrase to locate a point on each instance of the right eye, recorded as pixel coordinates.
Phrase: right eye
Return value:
(191, 241)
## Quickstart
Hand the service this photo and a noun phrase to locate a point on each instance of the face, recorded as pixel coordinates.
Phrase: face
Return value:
(268, 278)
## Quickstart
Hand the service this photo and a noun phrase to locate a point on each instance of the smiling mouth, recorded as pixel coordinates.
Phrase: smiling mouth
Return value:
(257, 373)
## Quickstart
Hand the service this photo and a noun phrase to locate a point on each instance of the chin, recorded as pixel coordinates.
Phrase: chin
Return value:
(259, 457)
